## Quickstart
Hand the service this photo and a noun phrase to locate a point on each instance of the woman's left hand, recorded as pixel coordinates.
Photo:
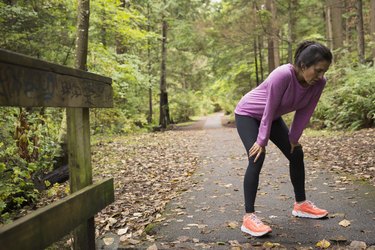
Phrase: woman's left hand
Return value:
(256, 150)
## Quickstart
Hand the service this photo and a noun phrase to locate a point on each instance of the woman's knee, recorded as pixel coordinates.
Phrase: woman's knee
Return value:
(297, 154)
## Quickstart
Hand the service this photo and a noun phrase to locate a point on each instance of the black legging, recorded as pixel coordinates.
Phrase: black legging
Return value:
(247, 128)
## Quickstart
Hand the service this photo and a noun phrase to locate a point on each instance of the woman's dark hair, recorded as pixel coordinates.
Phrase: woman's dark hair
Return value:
(309, 53)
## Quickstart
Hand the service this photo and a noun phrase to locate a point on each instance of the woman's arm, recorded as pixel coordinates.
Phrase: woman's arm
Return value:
(277, 84)
(302, 117)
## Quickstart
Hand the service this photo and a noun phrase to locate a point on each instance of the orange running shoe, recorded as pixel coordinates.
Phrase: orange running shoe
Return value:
(254, 226)
(307, 209)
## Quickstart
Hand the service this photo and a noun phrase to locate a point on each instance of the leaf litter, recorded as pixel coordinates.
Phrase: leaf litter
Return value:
(351, 152)
(149, 170)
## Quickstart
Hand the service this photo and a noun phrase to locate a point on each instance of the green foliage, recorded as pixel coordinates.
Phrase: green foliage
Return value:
(349, 103)
(185, 104)
(22, 162)
(43, 29)
(226, 96)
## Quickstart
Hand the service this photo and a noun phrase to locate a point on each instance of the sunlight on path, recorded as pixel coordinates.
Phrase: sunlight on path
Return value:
(213, 121)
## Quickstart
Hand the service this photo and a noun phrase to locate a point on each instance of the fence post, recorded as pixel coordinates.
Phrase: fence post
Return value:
(78, 132)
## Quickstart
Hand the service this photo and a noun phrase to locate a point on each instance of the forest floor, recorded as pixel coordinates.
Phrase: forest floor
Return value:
(182, 189)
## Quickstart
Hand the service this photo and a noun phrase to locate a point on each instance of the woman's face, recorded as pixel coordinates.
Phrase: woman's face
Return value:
(315, 72)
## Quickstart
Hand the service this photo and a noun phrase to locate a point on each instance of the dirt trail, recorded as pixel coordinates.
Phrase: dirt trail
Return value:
(209, 214)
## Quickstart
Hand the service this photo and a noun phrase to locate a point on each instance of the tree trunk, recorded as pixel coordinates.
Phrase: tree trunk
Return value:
(256, 61)
(82, 34)
(149, 66)
(347, 24)
(78, 127)
(372, 26)
(360, 32)
(270, 39)
(260, 49)
(275, 34)
(103, 29)
(328, 25)
(334, 23)
(164, 120)
(292, 7)
(120, 47)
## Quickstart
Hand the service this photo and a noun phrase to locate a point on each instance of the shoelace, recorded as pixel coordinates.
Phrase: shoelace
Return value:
(311, 204)
(254, 218)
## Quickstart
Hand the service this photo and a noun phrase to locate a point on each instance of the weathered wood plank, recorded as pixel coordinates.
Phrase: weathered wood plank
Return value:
(9, 57)
(47, 225)
(30, 87)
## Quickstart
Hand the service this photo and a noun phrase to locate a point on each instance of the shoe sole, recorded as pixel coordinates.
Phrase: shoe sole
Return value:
(307, 215)
(255, 234)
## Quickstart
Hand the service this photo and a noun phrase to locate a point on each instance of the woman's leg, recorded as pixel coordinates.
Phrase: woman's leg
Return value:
(279, 135)
(247, 128)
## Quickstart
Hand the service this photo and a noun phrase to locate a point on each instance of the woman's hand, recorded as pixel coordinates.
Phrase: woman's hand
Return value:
(293, 146)
(256, 150)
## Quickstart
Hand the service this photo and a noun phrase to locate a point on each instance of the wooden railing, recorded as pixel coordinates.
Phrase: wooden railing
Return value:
(29, 82)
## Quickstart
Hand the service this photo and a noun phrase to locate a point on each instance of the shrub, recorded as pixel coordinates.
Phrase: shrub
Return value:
(350, 103)
(28, 148)
(184, 104)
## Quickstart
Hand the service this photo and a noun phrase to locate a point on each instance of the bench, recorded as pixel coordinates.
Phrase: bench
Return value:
(29, 82)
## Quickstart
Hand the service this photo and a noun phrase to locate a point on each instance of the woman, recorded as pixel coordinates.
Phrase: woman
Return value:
(290, 87)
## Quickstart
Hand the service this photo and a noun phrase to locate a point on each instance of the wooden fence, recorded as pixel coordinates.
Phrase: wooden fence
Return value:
(28, 82)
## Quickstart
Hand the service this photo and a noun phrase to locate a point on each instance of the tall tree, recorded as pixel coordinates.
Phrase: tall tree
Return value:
(275, 34)
(149, 64)
(360, 32)
(372, 26)
(292, 7)
(260, 49)
(271, 36)
(120, 46)
(334, 23)
(164, 119)
(255, 44)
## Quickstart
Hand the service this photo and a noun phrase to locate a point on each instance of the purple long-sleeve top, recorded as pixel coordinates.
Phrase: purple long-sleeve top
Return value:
(279, 94)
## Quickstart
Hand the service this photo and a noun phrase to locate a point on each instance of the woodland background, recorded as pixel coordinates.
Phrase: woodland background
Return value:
(173, 60)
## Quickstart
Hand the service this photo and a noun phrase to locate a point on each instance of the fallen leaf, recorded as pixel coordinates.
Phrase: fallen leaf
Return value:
(133, 241)
(153, 247)
(323, 244)
(344, 223)
(183, 238)
(108, 241)
(268, 244)
(112, 221)
(234, 243)
(122, 231)
(358, 245)
(233, 224)
(192, 225)
(124, 238)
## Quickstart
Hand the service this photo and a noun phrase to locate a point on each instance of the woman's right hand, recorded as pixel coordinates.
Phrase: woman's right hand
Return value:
(256, 150)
